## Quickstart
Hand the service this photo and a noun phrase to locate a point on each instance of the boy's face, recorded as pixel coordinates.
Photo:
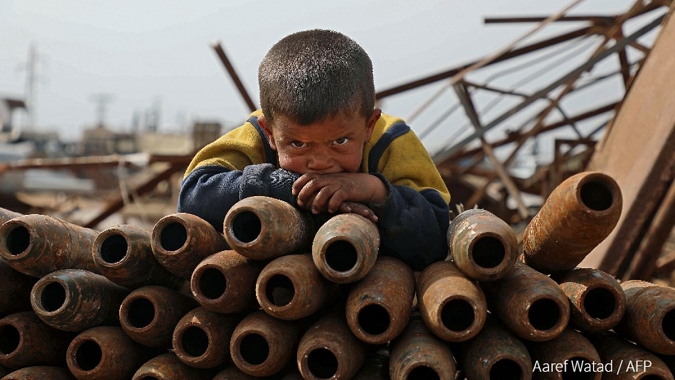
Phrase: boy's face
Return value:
(332, 145)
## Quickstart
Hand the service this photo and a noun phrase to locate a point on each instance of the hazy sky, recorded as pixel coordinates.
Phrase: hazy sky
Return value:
(141, 51)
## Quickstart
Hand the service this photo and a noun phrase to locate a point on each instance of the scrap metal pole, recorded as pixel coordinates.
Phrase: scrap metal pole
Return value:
(233, 74)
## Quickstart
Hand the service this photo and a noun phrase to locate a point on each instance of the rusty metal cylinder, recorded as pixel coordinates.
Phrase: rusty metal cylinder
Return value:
(37, 245)
(149, 315)
(345, 248)
(27, 341)
(103, 353)
(328, 350)
(578, 215)
(262, 345)
(262, 228)
(123, 255)
(529, 303)
(290, 287)
(6, 215)
(375, 367)
(201, 338)
(40, 373)
(233, 373)
(225, 282)
(180, 241)
(495, 354)
(568, 356)
(169, 367)
(622, 360)
(15, 289)
(597, 301)
(75, 300)
(418, 354)
(650, 316)
(482, 246)
(452, 306)
(378, 307)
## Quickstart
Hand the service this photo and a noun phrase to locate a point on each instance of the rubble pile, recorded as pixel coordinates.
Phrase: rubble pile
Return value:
(280, 296)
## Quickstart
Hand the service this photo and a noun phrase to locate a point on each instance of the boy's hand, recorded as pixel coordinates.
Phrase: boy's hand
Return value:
(359, 208)
(327, 192)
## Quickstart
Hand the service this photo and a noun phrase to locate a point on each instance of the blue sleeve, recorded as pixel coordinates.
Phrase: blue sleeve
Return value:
(210, 191)
(413, 225)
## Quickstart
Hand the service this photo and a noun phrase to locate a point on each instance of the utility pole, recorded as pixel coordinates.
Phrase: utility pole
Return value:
(102, 101)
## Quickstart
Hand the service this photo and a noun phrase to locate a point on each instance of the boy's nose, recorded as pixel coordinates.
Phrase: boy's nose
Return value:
(319, 164)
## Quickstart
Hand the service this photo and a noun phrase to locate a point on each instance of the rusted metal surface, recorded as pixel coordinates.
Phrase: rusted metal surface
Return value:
(40, 373)
(345, 248)
(452, 306)
(123, 255)
(613, 350)
(375, 367)
(501, 355)
(15, 289)
(328, 350)
(418, 354)
(233, 74)
(38, 244)
(575, 218)
(650, 316)
(27, 341)
(378, 307)
(529, 303)
(259, 228)
(576, 355)
(201, 338)
(6, 215)
(149, 315)
(75, 300)
(290, 287)
(181, 240)
(104, 353)
(225, 282)
(168, 367)
(483, 246)
(597, 301)
(233, 373)
(262, 345)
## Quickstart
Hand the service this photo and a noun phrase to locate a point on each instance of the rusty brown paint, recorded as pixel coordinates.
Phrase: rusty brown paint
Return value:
(290, 287)
(597, 301)
(328, 350)
(262, 228)
(502, 356)
(615, 350)
(262, 345)
(123, 255)
(579, 214)
(168, 367)
(37, 245)
(452, 306)
(576, 355)
(6, 215)
(225, 282)
(201, 338)
(482, 245)
(75, 300)
(39, 373)
(104, 353)
(149, 315)
(529, 303)
(345, 248)
(378, 306)
(650, 316)
(181, 240)
(27, 341)
(419, 354)
(15, 289)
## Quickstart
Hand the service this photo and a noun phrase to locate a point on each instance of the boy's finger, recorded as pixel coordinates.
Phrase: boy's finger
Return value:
(301, 182)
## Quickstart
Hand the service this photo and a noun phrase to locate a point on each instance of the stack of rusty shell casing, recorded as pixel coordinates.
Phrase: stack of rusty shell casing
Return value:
(576, 217)
(37, 245)
(573, 355)
(482, 246)
(201, 338)
(27, 341)
(262, 228)
(180, 241)
(15, 289)
(169, 367)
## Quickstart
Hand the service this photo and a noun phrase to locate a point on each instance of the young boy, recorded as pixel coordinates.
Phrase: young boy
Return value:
(320, 144)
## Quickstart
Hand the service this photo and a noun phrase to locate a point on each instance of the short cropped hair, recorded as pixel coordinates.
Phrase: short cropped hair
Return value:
(310, 75)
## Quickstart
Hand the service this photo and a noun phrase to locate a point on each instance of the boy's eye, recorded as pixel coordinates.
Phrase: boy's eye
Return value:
(341, 141)
(298, 144)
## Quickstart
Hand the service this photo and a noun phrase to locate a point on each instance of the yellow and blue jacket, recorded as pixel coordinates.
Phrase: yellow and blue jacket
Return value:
(413, 220)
